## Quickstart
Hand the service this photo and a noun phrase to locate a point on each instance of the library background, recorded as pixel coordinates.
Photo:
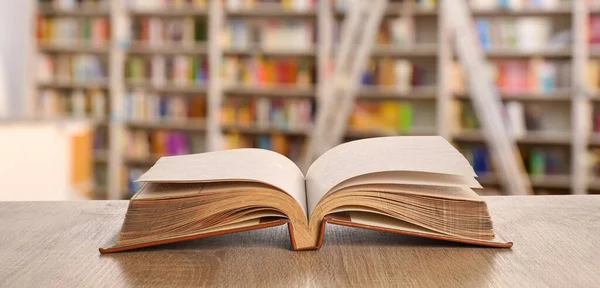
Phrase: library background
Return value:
(126, 82)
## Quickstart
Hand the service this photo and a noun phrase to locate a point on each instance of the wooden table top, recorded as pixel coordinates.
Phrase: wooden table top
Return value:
(55, 244)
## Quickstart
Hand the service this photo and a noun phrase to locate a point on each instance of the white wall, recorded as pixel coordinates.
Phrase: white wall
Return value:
(15, 33)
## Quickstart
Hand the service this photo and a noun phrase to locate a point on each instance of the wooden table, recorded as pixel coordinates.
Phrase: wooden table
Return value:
(557, 243)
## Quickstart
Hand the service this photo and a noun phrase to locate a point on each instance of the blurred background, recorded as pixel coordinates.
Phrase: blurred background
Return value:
(93, 92)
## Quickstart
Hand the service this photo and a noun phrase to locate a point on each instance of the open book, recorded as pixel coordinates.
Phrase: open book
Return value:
(408, 185)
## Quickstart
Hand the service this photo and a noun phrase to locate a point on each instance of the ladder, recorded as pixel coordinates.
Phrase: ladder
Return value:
(358, 38)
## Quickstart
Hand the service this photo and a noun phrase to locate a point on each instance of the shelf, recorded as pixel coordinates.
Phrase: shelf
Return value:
(168, 12)
(396, 9)
(560, 11)
(73, 85)
(184, 125)
(558, 96)
(594, 183)
(516, 53)
(57, 120)
(271, 12)
(283, 92)
(169, 88)
(297, 131)
(551, 181)
(270, 52)
(385, 93)
(140, 48)
(135, 161)
(359, 133)
(417, 51)
(547, 181)
(76, 12)
(72, 48)
(532, 137)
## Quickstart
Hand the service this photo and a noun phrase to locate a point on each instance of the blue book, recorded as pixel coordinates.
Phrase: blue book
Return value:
(483, 30)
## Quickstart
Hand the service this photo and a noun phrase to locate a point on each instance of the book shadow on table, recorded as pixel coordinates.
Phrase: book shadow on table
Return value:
(204, 260)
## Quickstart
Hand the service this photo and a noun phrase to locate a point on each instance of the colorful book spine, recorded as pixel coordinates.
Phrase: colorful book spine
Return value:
(286, 35)
(144, 106)
(159, 70)
(263, 112)
(292, 147)
(390, 116)
(90, 103)
(142, 144)
(88, 31)
(264, 71)
(160, 31)
(71, 68)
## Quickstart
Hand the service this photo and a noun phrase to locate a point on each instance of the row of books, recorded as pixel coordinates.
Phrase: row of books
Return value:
(88, 31)
(144, 106)
(289, 35)
(392, 116)
(81, 68)
(522, 34)
(519, 117)
(257, 70)
(143, 145)
(479, 157)
(91, 103)
(161, 70)
(166, 4)
(421, 4)
(399, 74)
(266, 112)
(592, 76)
(129, 177)
(292, 147)
(515, 5)
(521, 76)
(538, 161)
(397, 32)
(546, 161)
(594, 162)
(74, 4)
(159, 31)
(286, 5)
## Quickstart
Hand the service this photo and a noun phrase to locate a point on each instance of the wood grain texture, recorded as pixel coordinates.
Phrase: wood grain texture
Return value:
(55, 244)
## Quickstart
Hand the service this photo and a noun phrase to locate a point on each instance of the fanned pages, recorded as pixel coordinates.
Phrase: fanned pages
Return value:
(408, 185)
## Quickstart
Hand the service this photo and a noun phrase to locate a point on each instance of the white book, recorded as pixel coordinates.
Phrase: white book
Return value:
(158, 66)
(516, 119)
(155, 27)
(263, 108)
(188, 32)
(533, 33)
(99, 104)
(403, 72)
(78, 104)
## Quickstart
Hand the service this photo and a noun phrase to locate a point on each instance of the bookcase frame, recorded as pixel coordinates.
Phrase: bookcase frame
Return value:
(578, 139)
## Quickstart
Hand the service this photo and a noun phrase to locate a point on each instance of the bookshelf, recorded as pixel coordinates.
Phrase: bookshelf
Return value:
(226, 30)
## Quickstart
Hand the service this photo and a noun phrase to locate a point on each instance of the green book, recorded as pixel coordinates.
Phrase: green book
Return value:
(537, 163)
(405, 119)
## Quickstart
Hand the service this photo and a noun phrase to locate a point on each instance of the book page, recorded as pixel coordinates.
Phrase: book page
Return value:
(409, 177)
(430, 154)
(255, 165)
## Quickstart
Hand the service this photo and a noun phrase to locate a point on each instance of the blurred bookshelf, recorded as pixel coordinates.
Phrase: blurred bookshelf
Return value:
(174, 77)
